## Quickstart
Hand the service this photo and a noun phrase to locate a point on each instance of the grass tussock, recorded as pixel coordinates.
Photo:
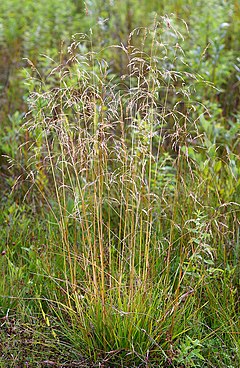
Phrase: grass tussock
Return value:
(139, 191)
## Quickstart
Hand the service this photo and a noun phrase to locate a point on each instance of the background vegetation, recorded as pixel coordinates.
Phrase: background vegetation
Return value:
(119, 222)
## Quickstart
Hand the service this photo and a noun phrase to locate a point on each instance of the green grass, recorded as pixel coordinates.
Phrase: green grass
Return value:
(120, 208)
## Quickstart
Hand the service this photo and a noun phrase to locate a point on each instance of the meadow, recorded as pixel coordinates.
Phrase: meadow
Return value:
(120, 183)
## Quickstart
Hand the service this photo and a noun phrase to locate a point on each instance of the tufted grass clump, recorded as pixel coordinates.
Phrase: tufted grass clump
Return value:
(131, 179)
